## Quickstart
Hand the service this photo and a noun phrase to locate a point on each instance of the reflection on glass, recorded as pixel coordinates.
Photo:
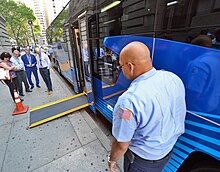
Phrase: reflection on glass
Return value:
(107, 66)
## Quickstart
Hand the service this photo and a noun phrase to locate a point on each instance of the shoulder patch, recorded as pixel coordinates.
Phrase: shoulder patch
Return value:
(124, 113)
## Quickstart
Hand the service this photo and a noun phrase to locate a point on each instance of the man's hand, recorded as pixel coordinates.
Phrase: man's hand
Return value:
(112, 166)
(118, 150)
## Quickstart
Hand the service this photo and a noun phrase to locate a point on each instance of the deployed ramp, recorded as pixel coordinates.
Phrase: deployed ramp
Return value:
(48, 112)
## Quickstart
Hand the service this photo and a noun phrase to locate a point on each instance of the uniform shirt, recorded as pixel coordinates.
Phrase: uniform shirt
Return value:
(150, 114)
(202, 83)
(85, 55)
(43, 60)
(17, 62)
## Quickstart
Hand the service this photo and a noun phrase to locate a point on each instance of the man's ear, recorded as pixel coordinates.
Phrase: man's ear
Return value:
(131, 66)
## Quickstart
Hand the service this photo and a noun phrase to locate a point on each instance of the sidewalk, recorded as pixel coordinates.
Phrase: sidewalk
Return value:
(73, 143)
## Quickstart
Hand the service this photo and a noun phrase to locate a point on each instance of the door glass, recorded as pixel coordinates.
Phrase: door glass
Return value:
(85, 54)
(189, 44)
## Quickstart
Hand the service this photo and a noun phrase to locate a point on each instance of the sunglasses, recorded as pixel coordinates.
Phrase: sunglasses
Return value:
(120, 67)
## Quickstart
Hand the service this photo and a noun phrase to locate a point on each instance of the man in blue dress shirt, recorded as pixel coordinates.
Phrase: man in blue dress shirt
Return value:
(149, 117)
(30, 64)
(44, 64)
(21, 75)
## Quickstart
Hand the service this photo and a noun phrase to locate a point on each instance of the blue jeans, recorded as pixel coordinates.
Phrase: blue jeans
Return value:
(141, 165)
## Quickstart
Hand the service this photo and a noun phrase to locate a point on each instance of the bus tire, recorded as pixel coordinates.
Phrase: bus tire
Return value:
(200, 162)
(58, 69)
(206, 169)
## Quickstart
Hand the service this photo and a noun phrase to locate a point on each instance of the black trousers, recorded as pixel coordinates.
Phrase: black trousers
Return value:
(22, 77)
(12, 86)
(86, 65)
(141, 165)
(45, 73)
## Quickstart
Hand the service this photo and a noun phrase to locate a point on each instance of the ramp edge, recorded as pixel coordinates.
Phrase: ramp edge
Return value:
(55, 102)
(57, 116)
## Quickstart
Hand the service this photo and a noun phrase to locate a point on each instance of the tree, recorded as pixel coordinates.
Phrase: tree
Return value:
(55, 30)
(17, 16)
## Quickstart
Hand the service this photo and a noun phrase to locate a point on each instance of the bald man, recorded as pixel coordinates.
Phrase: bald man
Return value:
(21, 74)
(44, 64)
(149, 117)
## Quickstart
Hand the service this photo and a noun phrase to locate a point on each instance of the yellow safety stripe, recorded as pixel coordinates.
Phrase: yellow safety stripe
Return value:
(114, 94)
(55, 102)
(106, 86)
(57, 116)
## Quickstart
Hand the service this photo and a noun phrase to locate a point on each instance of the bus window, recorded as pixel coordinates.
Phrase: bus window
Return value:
(191, 30)
(186, 20)
(108, 66)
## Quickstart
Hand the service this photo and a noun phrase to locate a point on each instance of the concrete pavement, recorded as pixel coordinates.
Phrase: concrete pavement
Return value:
(71, 143)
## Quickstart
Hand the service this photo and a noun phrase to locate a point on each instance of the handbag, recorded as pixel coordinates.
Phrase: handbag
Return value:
(4, 74)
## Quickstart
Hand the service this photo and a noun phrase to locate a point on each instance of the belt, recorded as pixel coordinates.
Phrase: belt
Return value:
(44, 67)
(142, 159)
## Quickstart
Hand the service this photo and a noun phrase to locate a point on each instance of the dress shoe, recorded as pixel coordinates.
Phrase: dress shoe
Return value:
(32, 87)
(28, 91)
(21, 94)
(38, 86)
(50, 92)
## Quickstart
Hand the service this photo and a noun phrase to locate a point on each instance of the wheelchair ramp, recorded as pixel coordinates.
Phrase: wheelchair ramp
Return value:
(51, 111)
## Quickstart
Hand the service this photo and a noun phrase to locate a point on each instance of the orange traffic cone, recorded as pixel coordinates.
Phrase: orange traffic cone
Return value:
(20, 109)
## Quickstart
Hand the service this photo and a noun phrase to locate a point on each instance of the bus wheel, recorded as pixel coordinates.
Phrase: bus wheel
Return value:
(58, 68)
(200, 162)
(206, 169)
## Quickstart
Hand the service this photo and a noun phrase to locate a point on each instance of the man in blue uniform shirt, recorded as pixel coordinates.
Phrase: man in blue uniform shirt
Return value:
(21, 75)
(149, 117)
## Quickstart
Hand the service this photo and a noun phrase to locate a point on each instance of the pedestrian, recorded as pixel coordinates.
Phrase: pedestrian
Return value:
(85, 56)
(44, 67)
(30, 64)
(149, 117)
(50, 51)
(21, 74)
(8, 65)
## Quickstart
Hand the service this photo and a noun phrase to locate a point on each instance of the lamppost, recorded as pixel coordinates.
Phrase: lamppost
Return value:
(30, 24)
(51, 33)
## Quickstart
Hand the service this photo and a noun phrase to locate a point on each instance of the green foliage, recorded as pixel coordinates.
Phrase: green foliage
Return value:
(55, 30)
(17, 16)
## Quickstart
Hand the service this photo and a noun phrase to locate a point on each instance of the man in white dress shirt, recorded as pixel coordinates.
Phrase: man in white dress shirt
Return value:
(44, 64)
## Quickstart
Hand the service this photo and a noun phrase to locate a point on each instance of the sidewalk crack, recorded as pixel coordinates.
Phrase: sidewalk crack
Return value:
(12, 123)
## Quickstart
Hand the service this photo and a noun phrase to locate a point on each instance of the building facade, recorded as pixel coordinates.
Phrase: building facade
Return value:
(4, 38)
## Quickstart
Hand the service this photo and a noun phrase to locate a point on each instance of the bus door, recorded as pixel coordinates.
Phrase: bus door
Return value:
(77, 59)
(84, 52)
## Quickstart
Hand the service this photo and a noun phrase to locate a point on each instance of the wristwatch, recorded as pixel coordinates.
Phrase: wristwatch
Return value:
(109, 159)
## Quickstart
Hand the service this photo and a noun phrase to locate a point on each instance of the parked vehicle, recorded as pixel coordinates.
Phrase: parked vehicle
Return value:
(183, 37)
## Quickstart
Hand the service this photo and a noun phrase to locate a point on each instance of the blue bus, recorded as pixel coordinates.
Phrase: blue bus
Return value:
(183, 37)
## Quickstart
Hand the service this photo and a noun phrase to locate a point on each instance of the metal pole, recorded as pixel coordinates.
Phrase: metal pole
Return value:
(51, 30)
(33, 35)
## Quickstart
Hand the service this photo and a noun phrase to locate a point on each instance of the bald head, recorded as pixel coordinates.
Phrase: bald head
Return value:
(37, 50)
(16, 52)
(136, 57)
